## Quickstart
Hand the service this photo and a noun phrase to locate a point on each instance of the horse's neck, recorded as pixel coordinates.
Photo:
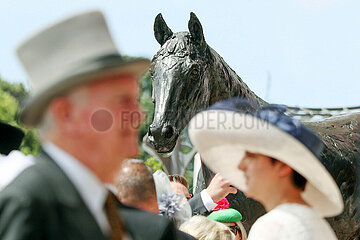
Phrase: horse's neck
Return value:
(225, 83)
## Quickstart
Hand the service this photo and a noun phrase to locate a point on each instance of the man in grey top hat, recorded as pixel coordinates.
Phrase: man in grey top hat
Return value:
(84, 102)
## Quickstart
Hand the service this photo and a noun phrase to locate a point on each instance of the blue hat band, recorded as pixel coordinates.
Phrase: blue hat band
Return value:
(275, 115)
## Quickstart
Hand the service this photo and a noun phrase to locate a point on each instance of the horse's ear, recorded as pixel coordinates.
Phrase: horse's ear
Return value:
(196, 30)
(161, 31)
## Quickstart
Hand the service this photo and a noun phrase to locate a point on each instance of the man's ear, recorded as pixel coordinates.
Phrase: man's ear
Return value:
(61, 110)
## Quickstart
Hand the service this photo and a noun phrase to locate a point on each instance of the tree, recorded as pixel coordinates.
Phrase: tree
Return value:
(11, 94)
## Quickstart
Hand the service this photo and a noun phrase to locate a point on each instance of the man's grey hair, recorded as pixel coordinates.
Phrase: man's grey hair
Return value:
(45, 124)
(77, 95)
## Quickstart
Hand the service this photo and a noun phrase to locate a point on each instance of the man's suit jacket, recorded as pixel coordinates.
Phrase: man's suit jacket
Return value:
(197, 206)
(42, 203)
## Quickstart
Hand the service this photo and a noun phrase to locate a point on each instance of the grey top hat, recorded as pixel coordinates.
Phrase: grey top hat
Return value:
(71, 52)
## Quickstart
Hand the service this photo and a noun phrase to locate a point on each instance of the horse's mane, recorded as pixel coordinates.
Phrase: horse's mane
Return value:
(235, 86)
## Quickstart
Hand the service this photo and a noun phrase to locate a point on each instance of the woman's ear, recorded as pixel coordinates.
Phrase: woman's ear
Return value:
(285, 170)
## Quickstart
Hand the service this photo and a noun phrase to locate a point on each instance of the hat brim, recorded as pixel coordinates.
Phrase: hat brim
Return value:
(34, 106)
(224, 136)
(10, 137)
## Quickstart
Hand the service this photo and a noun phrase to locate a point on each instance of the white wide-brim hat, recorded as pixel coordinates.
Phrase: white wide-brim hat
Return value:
(224, 132)
(67, 54)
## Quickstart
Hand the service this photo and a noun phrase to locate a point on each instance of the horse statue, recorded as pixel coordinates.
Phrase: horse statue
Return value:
(188, 75)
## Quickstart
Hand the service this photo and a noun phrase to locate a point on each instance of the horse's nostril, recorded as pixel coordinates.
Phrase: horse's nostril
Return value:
(168, 131)
(159, 132)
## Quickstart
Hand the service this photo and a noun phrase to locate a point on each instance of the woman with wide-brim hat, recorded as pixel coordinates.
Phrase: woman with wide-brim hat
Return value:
(274, 159)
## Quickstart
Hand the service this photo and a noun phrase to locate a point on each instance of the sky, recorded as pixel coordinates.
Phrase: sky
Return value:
(295, 52)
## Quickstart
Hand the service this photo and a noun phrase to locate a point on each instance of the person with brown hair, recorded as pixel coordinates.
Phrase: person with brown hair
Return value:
(179, 185)
(136, 187)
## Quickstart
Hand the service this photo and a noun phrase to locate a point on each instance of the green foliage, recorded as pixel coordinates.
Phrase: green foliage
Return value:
(16, 90)
(31, 142)
(154, 164)
(146, 104)
(189, 174)
(8, 107)
(10, 96)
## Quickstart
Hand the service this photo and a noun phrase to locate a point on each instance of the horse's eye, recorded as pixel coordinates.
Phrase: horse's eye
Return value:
(194, 72)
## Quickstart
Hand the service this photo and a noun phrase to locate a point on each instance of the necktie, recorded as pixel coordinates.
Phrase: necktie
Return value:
(118, 231)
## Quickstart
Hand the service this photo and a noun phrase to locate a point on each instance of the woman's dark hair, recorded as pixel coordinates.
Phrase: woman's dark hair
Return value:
(298, 180)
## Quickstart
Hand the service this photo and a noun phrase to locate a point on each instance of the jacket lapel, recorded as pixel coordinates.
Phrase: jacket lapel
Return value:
(70, 207)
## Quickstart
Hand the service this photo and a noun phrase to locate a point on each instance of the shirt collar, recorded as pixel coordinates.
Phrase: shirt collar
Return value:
(89, 186)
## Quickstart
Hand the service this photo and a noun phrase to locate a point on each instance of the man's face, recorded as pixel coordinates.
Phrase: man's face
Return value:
(178, 188)
(261, 176)
(235, 229)
(108, 119)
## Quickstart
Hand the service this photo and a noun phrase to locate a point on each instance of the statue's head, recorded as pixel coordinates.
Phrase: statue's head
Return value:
(180, 81)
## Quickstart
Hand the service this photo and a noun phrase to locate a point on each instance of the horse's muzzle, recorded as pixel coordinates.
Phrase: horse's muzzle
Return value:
(163, 137)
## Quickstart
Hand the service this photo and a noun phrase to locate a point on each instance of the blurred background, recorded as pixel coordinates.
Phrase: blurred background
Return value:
(295, 52)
